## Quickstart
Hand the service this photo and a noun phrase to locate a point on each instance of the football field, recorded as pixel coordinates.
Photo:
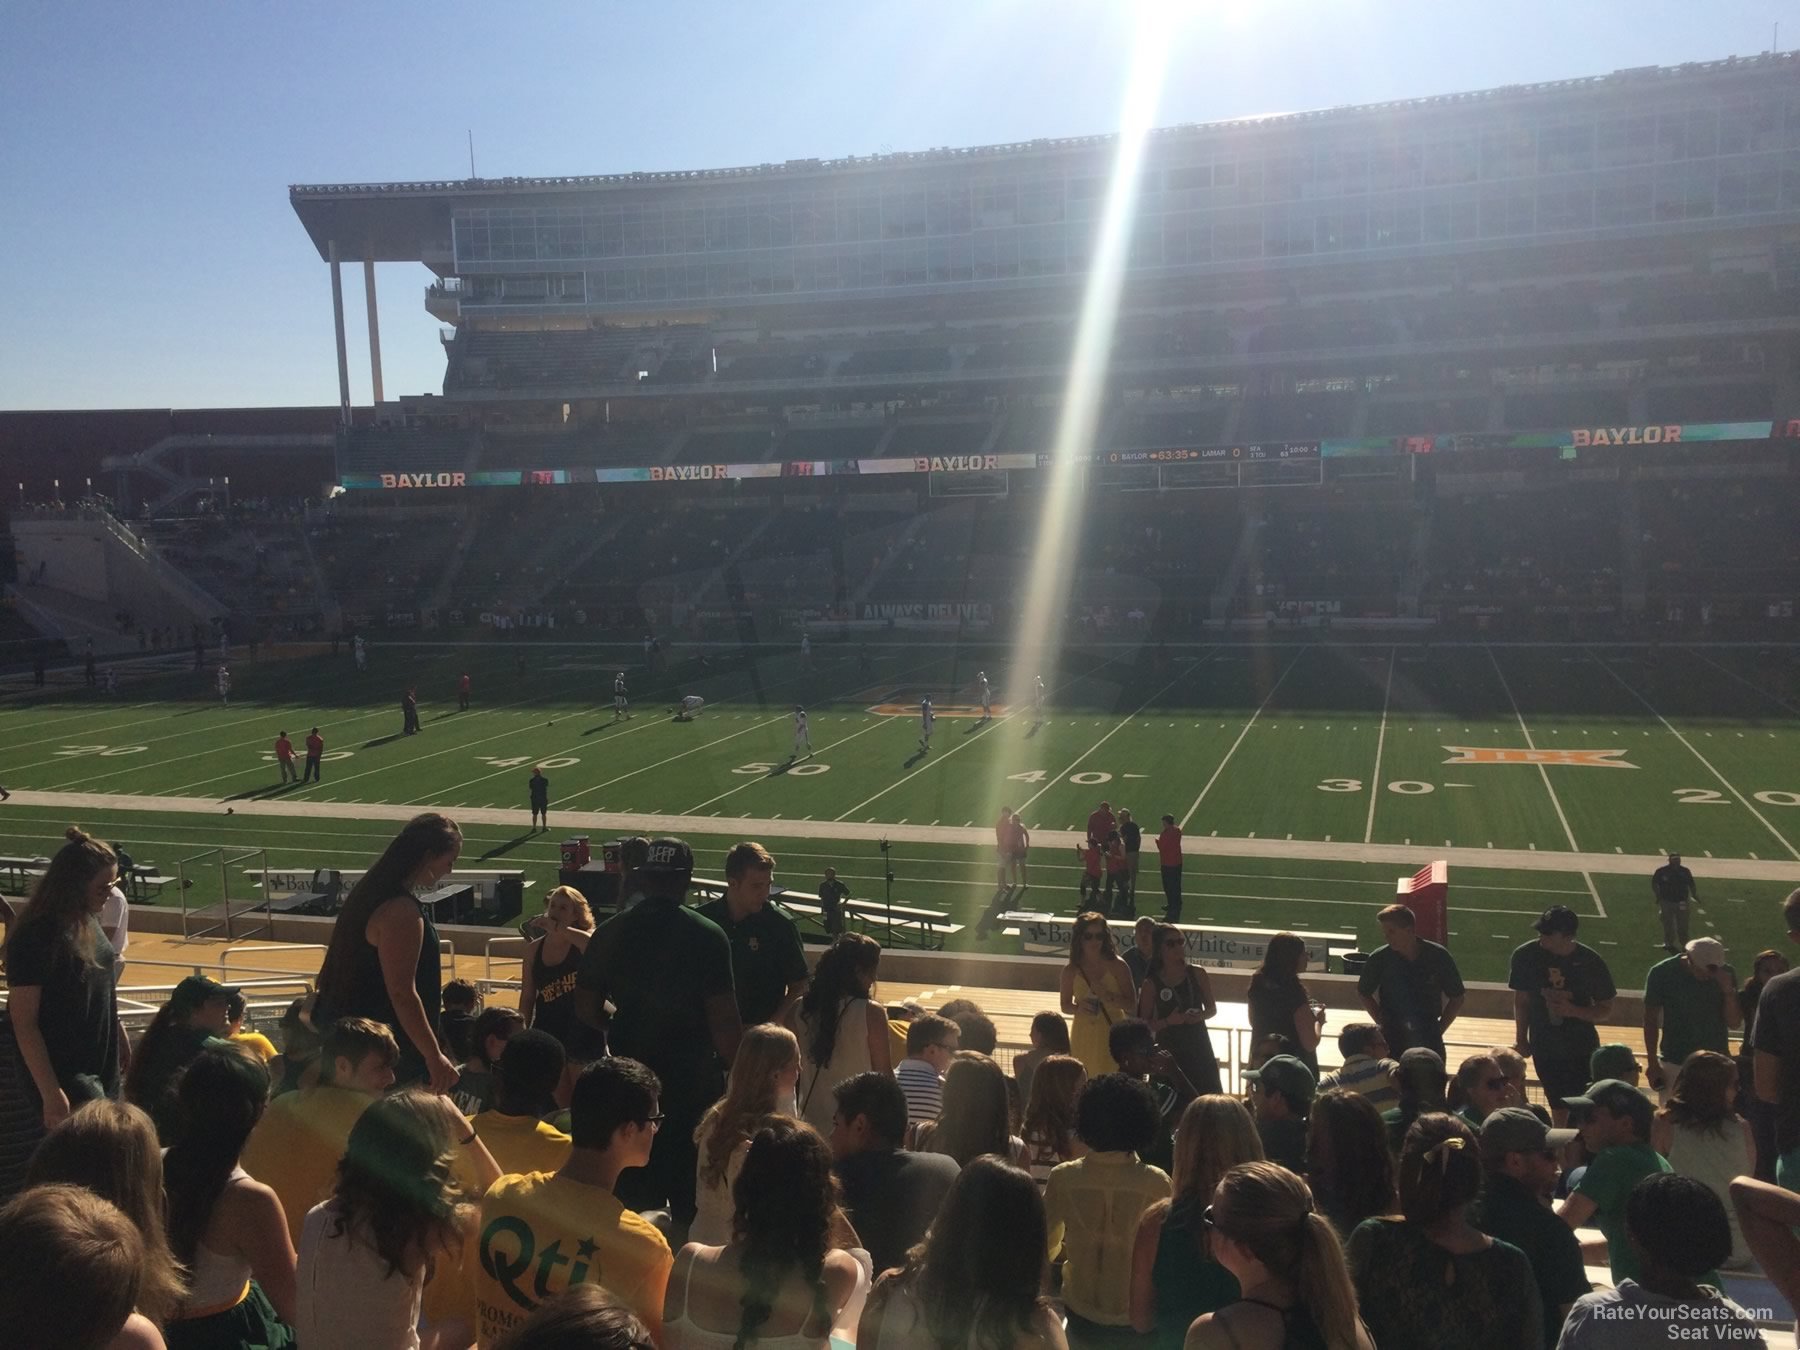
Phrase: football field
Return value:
(1307, 776)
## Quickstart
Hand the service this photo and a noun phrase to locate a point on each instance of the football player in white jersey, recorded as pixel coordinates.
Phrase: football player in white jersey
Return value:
(621, 707)
(987, 696)
(927, 720)
(802, 737)
(225, 685)
(691, 704)
(1037, 699)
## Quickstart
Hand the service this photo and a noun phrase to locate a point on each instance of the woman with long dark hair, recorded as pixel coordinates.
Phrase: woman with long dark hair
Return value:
(1096, 991)
(1430, 1277)
(196, 1012)
(1703, 1136)
(787, 1272)
(1348, 1165)
(763, 1078)
(976, 1117)
(395, 1215)
(110, 1148)
(1176, 999)
(1279, 1003)
(975, 1281)
(1174, 1278)
(383, 960)
(62, 1010)
(1286, 1260)
(227, 1229)
(841, 1032)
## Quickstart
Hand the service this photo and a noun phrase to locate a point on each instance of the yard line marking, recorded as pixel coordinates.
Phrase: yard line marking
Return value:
(1380, 741)
(1119, 726)
(874, 725)
(1742, 800)
(1240, 738)
(1543, 773)
(964, 744)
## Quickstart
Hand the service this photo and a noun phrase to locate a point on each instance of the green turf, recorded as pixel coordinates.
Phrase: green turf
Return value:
(1272, 741)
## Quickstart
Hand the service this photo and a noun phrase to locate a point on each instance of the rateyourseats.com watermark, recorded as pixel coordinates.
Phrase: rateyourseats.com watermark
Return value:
(1710, 1324)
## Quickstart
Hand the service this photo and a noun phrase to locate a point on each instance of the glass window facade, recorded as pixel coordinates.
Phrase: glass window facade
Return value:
(1408, 180)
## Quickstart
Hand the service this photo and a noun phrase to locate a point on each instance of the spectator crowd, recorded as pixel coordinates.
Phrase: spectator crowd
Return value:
(687, 1136)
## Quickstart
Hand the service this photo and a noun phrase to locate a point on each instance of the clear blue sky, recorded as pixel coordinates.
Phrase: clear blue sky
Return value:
(152, 259)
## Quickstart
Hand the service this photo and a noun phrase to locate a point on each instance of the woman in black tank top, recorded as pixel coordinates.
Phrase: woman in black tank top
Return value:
(1297, 1293)
(383, 960)
(549, 970)
(1176, 999)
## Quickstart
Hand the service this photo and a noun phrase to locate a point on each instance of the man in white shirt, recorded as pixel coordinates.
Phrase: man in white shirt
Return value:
(927, 719)
(802, 737)
(621, 708)
(987, 696)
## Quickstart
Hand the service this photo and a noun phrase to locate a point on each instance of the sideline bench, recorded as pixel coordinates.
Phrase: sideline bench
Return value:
(926, 927)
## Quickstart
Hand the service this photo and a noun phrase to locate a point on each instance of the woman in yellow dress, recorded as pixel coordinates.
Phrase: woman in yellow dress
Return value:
(1097, 991)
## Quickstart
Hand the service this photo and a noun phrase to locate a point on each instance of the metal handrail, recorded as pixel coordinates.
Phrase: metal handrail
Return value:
(488, 955)
(245, 948)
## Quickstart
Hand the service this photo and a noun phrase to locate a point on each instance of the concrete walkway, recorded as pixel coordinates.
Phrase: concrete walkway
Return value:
(1403, 856)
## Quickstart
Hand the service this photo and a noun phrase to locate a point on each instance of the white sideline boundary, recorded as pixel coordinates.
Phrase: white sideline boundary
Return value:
(1780, 871)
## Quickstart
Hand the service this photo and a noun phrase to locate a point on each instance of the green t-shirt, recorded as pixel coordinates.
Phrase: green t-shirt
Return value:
(766, 957)
(1607, 1182)
(1693, 1010)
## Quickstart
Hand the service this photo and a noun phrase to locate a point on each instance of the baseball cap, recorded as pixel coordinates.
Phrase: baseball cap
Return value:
(668, 856)
(1616, 1061)
(1557, 919)
(1513, 1129)
(1621, 1099)
(1707, 952)
(1418, 1059)
(1285, 1075)
(196, 991)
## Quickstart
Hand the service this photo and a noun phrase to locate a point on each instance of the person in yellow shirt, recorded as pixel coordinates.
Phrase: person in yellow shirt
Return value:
(295, 1147)
(254, 1041)
(1094, 1203)
(515, 1131)
(546, 1232)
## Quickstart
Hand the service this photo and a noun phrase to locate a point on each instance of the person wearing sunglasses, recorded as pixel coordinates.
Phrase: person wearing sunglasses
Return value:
(1478, 1089)
(1176, 999)
(1521, 1161)
(1097, 991)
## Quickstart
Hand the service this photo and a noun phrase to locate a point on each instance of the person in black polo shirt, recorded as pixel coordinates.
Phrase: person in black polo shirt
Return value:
(1561, 989)
(1411, 987)
(768, 964)
(667, 971)
(1673, 886)
(1521, 1159)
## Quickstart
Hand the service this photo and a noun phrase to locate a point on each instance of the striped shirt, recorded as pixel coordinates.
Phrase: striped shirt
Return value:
(1367, 1076)
(924, 1090)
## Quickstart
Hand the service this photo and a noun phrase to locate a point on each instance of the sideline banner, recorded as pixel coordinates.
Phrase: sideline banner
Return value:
(1207, 944)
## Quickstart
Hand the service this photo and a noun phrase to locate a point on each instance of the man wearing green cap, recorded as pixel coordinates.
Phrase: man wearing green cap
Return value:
(1615, 1120)
(1521, 1159)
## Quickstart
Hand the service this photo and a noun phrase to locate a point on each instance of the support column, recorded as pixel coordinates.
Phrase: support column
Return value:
(374, 323)
(337, 323)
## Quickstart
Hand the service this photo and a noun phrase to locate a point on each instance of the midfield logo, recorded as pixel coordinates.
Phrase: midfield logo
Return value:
(1598, 759)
